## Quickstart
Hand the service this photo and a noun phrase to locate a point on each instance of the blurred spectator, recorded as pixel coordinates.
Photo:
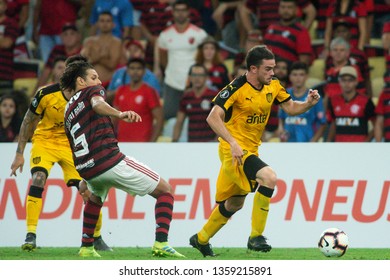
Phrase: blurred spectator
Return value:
(228, 21)
(266, 13)
(143, 99)
(382, 122)
(70, 45)
(253, 38)
(381, 16)
(339, 53)
(177, 46)
(8, 33)
(209, 56)
(309, 126)
(58, 69)
(122, 12)
(158, 15)
(356, 56)
(321, 8)
(287, 38)
(19, 11)
(206, 9)
(386, 47)
(48, 19)
(139, 7)
(103, 50)
(10, 120)
(349, 113)
(132, 49)
(351, 11)
(196, 104)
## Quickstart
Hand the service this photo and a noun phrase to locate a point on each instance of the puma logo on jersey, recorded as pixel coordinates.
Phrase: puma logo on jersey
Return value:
(56, 108)
(247, 98)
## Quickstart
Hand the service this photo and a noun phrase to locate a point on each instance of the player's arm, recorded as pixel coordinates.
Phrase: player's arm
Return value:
(378, 128)
(216, 121)
(158, 124)
(180, 117)
(27, 128)
(294, 108)
(101, 107)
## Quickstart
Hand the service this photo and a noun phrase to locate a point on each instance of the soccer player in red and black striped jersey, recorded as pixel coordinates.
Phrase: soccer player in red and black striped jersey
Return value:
(100, 162)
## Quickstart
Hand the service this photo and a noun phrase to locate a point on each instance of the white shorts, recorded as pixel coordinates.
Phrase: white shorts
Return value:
(128, 175)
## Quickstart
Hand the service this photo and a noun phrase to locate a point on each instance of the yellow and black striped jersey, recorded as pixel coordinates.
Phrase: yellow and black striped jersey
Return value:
(49, 103)
(247, 110)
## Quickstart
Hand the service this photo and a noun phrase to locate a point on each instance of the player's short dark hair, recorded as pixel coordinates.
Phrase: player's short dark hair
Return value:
(257, 54)
(136, 60)
(197, 65)
(298, 65)
(72, 72)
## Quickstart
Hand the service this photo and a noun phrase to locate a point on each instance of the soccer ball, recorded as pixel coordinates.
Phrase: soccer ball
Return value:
(333, 242)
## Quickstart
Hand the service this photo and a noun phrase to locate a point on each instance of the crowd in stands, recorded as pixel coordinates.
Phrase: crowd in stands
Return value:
(167, 59)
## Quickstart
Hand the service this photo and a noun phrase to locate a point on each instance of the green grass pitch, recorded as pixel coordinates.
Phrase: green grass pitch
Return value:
(125, 253)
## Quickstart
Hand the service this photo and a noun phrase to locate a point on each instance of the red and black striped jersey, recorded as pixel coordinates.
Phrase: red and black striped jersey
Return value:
(351, 117)
(91, 136)
(289, 42)
(197, 109)
(8, 29)
(383, 108)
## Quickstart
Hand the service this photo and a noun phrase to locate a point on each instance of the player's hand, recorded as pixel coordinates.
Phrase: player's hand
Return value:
(237, 153)
(313, 97)
(130, 116)
(17, 163)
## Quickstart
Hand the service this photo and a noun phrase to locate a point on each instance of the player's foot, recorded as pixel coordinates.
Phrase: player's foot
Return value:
(30, 243)
(163, 249)
(206, 250)
(259, 243)
(86, 252)
(100, 245)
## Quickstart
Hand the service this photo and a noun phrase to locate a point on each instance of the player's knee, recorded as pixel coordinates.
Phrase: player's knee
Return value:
(267, 177)
(39, 179)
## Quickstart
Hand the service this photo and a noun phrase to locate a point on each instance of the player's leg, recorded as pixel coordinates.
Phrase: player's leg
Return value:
(218, 218)
(266, 178)
(91, 214)
(163, 217)
(230, 199)
(41, 163)
(34, 207)
(73, 179)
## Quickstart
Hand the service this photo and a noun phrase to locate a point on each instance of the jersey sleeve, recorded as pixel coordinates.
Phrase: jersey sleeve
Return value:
(282, 95)
(39, 102)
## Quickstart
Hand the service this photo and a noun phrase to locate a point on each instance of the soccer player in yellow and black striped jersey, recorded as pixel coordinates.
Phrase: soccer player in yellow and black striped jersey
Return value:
(44, 122)
(239, 116)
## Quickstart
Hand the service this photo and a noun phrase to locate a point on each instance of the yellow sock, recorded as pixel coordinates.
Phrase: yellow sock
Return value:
(33, 210)
(260, 213)
(98, 225)
(215, 222)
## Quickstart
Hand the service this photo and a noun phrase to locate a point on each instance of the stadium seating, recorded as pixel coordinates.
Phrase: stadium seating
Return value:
(377, 67)
(317, 69)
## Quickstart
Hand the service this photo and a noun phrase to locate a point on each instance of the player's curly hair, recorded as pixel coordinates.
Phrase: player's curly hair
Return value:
(76, 67)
